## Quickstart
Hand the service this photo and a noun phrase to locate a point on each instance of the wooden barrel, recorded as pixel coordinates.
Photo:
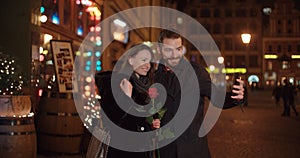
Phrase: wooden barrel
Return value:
(14, 105)
(59, 127)
(17, 137)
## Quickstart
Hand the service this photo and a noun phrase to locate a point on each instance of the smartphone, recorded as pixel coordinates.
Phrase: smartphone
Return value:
(235, 82)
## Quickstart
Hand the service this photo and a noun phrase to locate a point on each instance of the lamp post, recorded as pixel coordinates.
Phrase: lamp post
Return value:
(246, 38)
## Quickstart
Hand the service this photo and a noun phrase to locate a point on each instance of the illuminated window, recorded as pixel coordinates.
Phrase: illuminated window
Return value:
(270, 65)
(285, 65)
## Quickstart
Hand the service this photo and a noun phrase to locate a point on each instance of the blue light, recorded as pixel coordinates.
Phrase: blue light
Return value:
(97, 54)
(55, 18)
(98, 68)
(89, 54)
(98, 62)
(42, 9)
(88, 62)
(99, 43)
(87, 68)
(79, 31)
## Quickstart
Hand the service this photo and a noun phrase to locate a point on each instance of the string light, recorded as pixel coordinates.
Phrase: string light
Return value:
(11, 81)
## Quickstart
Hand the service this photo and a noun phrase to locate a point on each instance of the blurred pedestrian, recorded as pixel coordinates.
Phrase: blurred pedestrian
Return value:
(292, 95)
(277, 93)
(285, 94)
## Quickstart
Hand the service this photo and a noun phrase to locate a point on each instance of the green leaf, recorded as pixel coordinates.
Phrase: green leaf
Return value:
(152, 110)
(161, 113)
(149, 120)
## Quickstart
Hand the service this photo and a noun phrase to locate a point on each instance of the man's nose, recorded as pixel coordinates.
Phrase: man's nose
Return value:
(174, 53)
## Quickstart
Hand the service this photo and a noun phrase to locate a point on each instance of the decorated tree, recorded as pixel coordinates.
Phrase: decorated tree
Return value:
(11, 80)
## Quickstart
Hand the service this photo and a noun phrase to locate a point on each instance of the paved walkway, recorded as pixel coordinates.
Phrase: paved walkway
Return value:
(259, 132)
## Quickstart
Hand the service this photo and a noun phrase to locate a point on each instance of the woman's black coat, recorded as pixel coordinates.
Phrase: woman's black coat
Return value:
(117, 115)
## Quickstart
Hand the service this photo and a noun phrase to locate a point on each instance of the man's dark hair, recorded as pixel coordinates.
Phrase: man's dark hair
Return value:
(168, 33)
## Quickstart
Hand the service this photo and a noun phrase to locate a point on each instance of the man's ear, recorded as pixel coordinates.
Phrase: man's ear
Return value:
(130, 61)
(158, 49)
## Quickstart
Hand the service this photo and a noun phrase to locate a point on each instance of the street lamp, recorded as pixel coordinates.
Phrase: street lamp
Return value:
(246, 37)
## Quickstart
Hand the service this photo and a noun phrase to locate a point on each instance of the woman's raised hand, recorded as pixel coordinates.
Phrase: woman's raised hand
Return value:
(126, 87)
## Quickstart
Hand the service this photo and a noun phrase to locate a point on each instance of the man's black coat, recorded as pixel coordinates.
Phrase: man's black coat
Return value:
(188, 145)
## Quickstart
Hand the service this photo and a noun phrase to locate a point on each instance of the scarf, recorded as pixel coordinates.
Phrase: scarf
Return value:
(140, 89)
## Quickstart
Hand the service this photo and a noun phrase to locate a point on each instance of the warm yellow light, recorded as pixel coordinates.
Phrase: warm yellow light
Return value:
(87, 88)
(212, 69)
(43, 18)
(235, 70)
(94, 11)
(47, 38)
(246, 37)
(118, 36)
(295, 56)
(220, 60)
(41, 50)
(45, 52)
(77, 53)
(88, 79)
(270, 56)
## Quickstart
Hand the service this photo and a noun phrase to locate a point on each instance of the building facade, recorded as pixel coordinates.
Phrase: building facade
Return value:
(281, 44)
(226, 20)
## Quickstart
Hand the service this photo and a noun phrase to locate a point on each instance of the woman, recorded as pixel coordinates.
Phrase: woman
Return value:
(137, 63)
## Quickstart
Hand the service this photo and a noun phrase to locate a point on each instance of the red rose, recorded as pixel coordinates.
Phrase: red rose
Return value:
(153, 93)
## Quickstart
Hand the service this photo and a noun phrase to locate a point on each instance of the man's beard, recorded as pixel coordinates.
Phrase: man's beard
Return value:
(169, 61)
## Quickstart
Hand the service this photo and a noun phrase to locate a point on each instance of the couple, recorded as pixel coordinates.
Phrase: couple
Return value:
(172, 69)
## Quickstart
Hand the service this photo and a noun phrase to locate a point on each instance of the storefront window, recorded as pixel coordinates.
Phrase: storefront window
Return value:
(285, 65)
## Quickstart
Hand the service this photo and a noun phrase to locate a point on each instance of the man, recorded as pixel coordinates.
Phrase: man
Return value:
(189, 144)
(285, 92)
